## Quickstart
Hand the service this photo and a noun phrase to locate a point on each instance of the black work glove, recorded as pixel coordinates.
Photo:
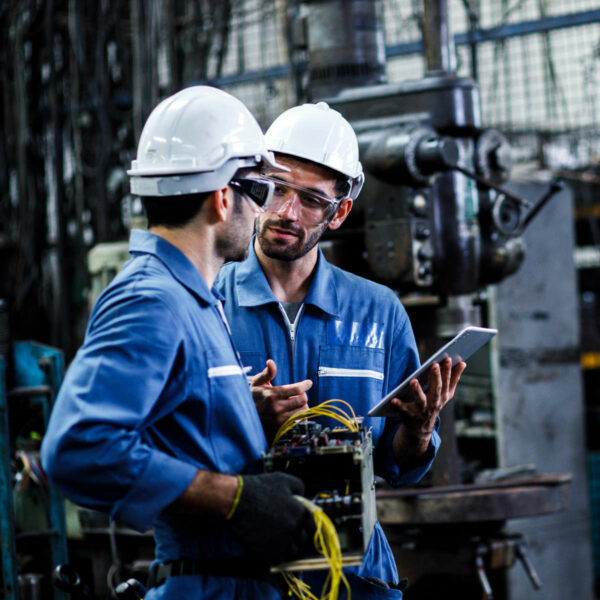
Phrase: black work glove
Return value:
(271, 524)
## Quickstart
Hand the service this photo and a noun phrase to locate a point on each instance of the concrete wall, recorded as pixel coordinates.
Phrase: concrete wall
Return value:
(540, 407)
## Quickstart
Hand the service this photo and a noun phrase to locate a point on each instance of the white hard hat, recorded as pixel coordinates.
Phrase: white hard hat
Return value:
(322, 135)
(194, 142)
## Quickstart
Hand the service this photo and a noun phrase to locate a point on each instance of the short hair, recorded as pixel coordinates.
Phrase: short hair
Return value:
(178, 211)
(173, 211)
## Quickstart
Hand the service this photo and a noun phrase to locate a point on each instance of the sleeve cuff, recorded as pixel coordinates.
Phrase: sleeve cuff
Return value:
(394, 476)
(163, 480)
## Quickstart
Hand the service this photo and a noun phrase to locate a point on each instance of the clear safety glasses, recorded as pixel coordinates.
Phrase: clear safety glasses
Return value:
(312, 206)
(260, 191)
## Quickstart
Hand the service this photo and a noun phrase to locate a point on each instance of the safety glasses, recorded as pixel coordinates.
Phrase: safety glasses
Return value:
(260, 191)
(312, 206)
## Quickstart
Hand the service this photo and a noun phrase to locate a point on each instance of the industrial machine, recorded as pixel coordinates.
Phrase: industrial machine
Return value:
(438, 221)
(433, 217)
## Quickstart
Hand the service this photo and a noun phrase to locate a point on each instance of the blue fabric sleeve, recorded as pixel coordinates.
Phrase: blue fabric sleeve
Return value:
(404, 352)
(95, 438)
(393, 475)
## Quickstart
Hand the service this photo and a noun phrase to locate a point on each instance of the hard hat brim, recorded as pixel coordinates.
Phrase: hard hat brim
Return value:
(185, 183)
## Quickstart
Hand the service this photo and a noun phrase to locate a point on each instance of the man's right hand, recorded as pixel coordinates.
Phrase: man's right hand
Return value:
(270, 523)
(276, 403)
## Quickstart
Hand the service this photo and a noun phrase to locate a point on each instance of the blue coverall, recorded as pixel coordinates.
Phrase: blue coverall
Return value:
(156, 392)
(354, 340)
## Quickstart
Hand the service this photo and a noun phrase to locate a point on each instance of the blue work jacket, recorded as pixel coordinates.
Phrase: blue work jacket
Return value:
(156, 392)
(354, 340)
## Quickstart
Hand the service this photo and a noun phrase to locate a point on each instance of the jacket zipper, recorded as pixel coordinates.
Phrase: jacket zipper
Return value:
(292, 328)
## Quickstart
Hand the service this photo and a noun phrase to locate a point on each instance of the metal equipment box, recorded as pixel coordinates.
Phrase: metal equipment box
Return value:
(336, 466)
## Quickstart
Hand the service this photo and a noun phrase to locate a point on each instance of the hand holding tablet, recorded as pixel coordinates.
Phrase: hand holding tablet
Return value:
(468, 341)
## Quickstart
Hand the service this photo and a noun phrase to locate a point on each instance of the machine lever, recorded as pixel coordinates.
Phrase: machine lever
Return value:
(555, 186)
(492, 186)
(131, 589)
(483, 580)
(528, 566)
(517, 226)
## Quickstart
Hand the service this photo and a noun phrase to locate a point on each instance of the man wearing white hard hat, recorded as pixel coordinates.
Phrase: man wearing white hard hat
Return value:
(310, 331)
(154, 422)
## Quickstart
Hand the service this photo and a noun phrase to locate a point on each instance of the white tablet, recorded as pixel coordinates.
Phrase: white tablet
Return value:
(459, 348)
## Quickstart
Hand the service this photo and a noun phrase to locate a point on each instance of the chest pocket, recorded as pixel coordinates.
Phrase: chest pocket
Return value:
(351, 373)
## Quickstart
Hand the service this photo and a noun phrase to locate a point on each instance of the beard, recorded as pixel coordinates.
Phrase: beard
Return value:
(234, 245)
(287, 250)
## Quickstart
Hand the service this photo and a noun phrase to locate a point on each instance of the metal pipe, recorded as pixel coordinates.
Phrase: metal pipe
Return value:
(346, 45)
(437, 38)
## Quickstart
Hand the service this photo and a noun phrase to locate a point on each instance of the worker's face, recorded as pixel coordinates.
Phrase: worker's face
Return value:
(234, 245)
(290, 228)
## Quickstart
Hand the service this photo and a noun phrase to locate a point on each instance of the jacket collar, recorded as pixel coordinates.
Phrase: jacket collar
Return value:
(182, 269)
(253, 289)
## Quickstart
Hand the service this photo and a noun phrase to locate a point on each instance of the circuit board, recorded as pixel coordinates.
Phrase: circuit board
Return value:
(336, 466)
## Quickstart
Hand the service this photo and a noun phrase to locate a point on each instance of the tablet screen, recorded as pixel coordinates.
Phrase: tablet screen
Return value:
(468, 341)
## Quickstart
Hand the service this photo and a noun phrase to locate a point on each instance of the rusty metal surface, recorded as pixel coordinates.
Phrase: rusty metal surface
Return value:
(498, 501)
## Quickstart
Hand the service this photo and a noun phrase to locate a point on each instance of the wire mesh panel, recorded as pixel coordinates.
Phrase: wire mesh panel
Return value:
(541, 81)
(541, 74)
(257, 46)
(401, 21)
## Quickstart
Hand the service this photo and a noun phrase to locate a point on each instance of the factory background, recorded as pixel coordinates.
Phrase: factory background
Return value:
(517, 501)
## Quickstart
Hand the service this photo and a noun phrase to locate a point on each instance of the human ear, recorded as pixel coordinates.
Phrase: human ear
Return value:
(342, 212)
(221, 202)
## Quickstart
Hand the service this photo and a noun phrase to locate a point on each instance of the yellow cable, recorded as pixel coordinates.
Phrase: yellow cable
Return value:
(333, 400)
(297, 587)
(326, 539)
(325, 409)
(327, 544)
